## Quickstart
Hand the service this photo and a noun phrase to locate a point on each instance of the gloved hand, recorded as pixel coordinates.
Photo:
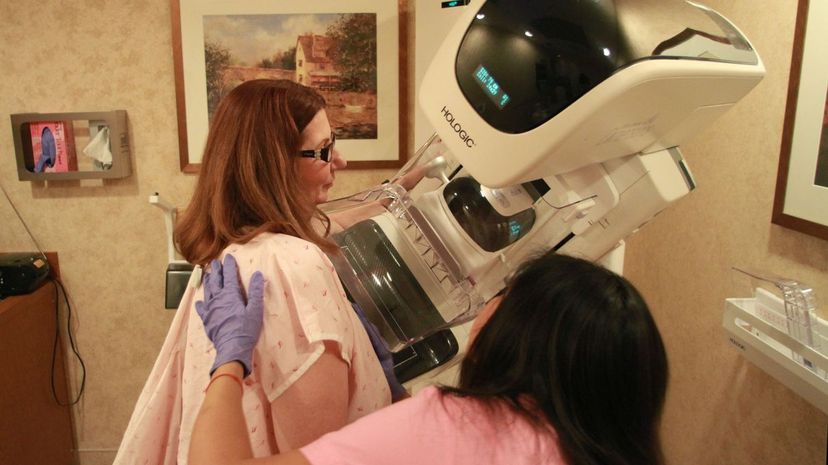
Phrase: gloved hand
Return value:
(231, 326)
(384, 355)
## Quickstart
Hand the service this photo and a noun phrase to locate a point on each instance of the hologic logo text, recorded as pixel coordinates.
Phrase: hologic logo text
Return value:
(464, 136)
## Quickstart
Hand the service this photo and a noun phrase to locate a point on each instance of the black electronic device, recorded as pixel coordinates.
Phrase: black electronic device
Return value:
(22, 272)
(178, 275)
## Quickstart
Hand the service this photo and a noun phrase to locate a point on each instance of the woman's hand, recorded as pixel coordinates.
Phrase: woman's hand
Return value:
(231, 325)
(220, 433)
(386, 358)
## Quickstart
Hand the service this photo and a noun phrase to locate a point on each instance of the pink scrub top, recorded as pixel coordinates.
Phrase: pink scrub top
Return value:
(305, 305)
(437, 428)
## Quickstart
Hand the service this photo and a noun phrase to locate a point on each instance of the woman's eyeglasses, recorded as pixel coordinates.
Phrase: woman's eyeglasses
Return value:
(325, 153)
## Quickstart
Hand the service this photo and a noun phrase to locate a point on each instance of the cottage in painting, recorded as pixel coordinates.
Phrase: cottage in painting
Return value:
(314, 67)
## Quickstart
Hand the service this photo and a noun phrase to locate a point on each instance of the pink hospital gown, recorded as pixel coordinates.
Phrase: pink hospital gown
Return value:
(305, 305)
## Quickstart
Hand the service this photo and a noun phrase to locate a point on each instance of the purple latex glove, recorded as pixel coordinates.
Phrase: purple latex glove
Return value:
(386, 358)
(232, 326)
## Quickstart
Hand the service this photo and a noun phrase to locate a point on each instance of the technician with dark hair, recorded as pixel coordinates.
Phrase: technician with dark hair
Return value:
(567, 367)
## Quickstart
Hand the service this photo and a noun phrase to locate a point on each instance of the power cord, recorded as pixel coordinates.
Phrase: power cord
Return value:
(56, 282)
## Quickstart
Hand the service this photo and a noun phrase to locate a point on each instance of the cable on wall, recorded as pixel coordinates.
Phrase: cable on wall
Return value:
(56, 282)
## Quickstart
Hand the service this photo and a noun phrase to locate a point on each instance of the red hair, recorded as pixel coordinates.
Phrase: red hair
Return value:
(249, 180)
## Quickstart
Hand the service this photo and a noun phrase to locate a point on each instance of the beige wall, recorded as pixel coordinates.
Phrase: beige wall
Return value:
(91, 55)
(721, 409)
(87, 55)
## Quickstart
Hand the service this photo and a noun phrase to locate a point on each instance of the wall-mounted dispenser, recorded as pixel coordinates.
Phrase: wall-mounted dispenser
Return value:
(776, 327)
(68, 146)
(178, 270)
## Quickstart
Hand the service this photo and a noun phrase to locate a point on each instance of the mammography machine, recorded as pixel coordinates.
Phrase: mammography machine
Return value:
(557, 127)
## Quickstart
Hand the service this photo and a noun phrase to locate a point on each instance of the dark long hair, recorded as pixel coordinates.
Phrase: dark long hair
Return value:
(580, 343)
(249, 183)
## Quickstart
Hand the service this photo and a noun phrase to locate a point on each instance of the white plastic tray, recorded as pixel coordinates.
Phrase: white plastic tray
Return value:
(773, 350)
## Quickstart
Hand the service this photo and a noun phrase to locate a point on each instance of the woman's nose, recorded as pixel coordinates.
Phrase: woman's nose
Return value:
(338, 161)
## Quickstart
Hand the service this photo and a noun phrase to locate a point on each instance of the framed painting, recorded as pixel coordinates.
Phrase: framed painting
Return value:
(801, 200)
(348, 51)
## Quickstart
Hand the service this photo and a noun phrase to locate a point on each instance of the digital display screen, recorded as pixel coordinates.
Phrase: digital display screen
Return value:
(454, 3)
(491, 87)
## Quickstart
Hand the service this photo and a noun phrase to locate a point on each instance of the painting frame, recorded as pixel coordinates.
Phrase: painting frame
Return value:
(804, 148)
(390, 147)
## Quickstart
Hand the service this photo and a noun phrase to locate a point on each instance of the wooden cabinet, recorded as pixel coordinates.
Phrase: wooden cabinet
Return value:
(34, 429)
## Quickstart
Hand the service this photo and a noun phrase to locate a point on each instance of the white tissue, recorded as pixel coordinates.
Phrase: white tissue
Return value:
(98, 147)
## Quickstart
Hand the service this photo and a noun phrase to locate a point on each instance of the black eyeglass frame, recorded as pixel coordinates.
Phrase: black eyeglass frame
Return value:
(325, 153)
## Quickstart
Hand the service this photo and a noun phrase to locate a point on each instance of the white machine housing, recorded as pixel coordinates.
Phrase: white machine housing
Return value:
(646, 103)
(519, 167)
